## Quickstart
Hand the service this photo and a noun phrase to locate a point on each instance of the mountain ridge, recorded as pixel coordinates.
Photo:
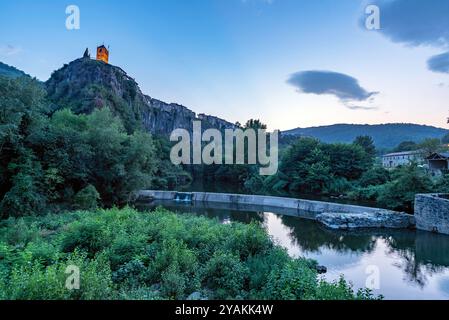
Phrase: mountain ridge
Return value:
(10, 71)
(387, 135)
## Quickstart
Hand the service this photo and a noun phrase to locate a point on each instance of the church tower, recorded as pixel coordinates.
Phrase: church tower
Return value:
(103, 54)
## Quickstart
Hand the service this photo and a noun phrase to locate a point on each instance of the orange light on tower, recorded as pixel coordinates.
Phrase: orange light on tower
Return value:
(103, 54)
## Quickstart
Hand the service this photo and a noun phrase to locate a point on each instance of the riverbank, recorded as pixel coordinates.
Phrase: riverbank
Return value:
(126, 254)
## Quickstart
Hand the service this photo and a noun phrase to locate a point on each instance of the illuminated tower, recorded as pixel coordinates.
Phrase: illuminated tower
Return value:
(103, 54)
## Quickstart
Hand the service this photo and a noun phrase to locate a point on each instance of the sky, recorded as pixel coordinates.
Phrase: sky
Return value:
(290, 63)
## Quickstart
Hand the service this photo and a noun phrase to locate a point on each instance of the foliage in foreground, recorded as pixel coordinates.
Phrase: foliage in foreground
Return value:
(125, 254)
(50, 159)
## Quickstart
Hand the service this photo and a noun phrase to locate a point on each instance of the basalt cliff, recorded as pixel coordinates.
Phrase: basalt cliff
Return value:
(86, 84)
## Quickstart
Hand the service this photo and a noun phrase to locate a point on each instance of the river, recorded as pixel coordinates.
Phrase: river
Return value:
(410, 264)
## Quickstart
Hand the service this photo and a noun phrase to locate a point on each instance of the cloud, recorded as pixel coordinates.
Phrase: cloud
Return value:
(414, 22)
(9, 50)
(439, 63)
(346, 88)
(361, 107)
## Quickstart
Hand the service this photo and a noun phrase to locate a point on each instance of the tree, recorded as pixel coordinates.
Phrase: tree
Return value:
(347, 160)
(407, 181)
(429, 146)
(255, 124)
(445, 139)
(406, 146)
(367, 143)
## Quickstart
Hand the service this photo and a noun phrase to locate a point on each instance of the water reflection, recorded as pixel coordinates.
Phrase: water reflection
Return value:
(412, 264)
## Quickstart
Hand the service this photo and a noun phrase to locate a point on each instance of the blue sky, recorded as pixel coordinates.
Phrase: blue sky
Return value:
(288, 62)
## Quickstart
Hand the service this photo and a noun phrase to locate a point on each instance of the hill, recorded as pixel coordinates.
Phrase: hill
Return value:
(85, 84)
(8, 71)
(386, 136)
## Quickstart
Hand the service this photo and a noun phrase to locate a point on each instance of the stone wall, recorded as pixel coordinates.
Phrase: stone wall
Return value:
(432, 212)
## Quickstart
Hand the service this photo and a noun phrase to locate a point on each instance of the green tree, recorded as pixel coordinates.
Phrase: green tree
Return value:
(406, 146)
(367, 143)
(429, 146)
(255, 124)
(407, 181)
(445, 139)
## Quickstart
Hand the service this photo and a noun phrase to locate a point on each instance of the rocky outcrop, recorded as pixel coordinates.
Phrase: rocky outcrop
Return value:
(85, 84)
(380, 219)
(162, 118)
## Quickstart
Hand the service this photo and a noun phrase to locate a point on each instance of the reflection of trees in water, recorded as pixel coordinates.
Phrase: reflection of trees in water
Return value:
(420, 254)
(423, 254)
(311, 236)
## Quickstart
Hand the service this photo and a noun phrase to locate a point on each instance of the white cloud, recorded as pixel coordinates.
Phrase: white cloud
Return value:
(10, 50)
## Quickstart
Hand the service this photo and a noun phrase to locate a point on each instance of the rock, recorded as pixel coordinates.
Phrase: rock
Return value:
(74, 85)
(321, 269)
(379, 219)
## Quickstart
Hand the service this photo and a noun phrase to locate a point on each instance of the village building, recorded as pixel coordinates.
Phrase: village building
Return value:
(438, 162)
(396, 159)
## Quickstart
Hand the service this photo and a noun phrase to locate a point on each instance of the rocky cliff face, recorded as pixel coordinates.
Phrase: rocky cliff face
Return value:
(86, 84)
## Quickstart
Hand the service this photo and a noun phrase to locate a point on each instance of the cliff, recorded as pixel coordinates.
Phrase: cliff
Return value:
(86, 84)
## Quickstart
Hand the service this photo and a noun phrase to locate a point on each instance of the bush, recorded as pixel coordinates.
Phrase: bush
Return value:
(87, 198)
(374, 177)
(173, 284)
(87, 235)
(225, 275)
(399, 194)
(33, 281)
(125, 254)
(294, 281)
(124, 249)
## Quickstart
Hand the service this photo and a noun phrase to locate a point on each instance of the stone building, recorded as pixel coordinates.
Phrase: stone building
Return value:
(393, 160)
(438, 162)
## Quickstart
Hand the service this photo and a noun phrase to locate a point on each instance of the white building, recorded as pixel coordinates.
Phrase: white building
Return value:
(393, 160)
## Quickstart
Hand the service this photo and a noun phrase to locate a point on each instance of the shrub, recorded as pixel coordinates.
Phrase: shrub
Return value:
(87, 235)
(294, 281)
(173, 284)
(124, 248)
(87, 198)
(225, 274)
(399, 194)
(247, 240)
(260, 267)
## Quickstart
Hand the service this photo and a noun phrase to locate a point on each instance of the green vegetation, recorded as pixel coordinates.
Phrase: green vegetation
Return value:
(9, 71)
(308, 166)
(125, 254)
(66, 160)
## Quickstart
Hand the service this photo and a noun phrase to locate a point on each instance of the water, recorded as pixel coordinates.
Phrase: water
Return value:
(411, 264)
